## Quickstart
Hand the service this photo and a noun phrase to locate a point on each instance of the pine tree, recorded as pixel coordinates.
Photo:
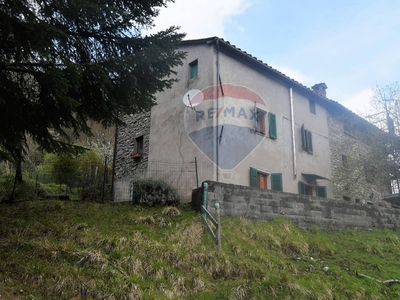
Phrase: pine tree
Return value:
(64, 62)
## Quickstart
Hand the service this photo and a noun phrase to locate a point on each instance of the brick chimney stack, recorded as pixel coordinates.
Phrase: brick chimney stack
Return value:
(320, 89)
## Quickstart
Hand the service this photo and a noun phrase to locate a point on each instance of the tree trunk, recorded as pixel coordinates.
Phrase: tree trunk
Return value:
(17, 179)
(18, 171)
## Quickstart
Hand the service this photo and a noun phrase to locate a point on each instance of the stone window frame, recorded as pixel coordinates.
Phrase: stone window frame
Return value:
(139, 144)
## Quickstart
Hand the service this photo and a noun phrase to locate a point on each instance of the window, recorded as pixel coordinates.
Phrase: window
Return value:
(306, 189)
(260, 180)
(260, 125)
(349, 128)
(344, 161)
(370, 172)
(272, 126)
(260, 122)
(321, 191)
(139, 145)
(311, 104)
(306, 139)
(193, 69)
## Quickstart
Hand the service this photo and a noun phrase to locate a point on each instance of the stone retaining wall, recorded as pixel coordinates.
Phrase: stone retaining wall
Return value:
(305, 211)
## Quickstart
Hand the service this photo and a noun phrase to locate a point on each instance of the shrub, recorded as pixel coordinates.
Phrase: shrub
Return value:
(95, 193)
(154, 192)
(27, 190)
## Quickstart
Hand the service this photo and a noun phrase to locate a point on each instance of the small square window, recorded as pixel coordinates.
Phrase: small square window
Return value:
(311, 104)
(139, 145)
(344, 160)
(194, 68)
(370, 172)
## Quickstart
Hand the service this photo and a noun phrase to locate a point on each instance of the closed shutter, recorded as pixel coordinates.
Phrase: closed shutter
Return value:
(193, 69)
(303, 138)
(321, 191)
(302, 188)
(309, 142)
(253, 177)
(272, 126)
(276, 182)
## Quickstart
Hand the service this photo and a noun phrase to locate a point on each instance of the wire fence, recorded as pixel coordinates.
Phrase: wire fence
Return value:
(182, 176)
(90, 182)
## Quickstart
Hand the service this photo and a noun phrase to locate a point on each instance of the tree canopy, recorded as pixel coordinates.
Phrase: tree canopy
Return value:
(64, 62)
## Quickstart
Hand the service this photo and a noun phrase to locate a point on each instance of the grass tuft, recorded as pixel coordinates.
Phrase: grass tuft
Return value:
(171, 211)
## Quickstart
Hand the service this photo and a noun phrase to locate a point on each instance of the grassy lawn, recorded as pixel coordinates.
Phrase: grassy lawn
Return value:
(75, 250)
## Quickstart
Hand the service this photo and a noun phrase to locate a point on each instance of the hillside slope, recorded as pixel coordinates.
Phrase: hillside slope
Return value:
(74, 250)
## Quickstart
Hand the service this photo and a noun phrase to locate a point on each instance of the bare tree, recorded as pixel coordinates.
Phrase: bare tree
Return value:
(386, 102)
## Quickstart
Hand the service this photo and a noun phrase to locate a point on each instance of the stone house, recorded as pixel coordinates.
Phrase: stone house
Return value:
(247, 124)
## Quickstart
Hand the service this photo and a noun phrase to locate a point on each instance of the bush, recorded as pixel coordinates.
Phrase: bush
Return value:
(27, 190)
(95, 193)
(154, 192)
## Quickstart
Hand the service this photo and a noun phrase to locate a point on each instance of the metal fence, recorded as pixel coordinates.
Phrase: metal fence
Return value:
(182, 176)
(91, 183)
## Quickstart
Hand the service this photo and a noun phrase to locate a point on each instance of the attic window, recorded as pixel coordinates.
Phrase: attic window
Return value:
(311, 104)
(193, 69)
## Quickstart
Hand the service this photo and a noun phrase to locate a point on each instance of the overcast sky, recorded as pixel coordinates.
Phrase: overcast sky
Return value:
(351, 45)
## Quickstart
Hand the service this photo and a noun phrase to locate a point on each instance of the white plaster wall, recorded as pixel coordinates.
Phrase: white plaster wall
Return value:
(169, 140)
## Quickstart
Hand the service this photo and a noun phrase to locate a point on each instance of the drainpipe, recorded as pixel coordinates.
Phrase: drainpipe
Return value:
(293, 137)
(217, 85)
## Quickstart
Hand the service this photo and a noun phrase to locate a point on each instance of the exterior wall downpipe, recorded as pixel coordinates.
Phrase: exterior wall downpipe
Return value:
(217, 120)
(293, 136)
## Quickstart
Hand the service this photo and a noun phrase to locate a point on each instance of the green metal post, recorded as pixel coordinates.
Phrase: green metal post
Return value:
(219, 227)
(205, 194)
(197, 174)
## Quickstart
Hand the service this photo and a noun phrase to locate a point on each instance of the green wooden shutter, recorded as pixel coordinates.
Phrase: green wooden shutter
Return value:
(321, 191)
(253, 177)
(302, 188)
(309, 142)
(303, 138)
(276, 182)
(193, 69)
(272, 126)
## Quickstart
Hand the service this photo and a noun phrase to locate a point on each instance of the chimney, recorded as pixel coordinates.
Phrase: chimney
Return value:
(320, 89)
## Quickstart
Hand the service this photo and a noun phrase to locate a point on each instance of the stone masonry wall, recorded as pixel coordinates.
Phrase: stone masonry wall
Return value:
(304, 211)
(349, 180)
(126, 168)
